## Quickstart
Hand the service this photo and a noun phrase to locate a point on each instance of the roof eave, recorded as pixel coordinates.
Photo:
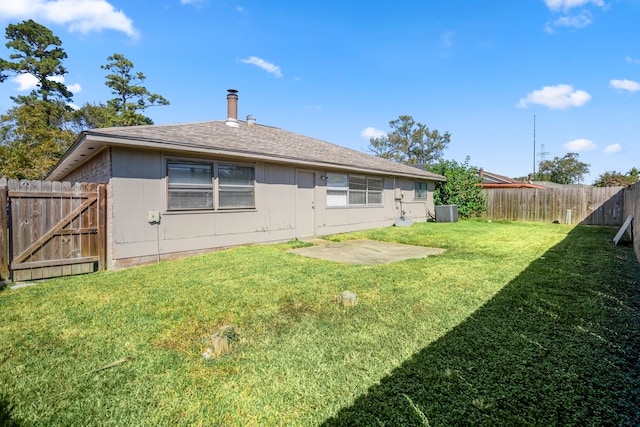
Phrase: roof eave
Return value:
(56, 172)
(90, 142)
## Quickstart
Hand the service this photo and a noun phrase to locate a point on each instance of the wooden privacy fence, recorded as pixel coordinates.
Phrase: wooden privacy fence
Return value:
(587, 205)
(632, 207)
(51, 229)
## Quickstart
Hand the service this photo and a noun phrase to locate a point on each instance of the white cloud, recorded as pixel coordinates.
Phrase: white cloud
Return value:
(73, 106)
(625, 84)
(74, 88)
(267, 66)
(372, 132)
(556, 97)
(194, 2)
(556, 5)
(28, 81)
(580, 145)
(577, 21)
(59, 79)
(613, 148)
(631, 60)
(312, 107)
(25, 82)
(83, 16)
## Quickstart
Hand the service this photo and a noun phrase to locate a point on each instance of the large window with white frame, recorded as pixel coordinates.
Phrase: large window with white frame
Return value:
(337, 190)
(357, 190)
(353, 190)
(192, 185)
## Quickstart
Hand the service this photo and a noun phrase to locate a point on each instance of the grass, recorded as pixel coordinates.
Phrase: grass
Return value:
(516, 323)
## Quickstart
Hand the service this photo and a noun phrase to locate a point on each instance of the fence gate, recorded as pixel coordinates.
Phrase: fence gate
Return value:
(53, 229)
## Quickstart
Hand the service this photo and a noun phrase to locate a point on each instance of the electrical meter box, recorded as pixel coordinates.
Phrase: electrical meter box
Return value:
(154, 217)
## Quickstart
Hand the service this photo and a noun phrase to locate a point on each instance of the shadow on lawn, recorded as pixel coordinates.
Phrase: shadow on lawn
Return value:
(558, 345)
(5, 414)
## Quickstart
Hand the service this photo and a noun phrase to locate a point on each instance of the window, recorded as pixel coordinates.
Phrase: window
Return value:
(353, 190)
(420, 190)
(374, 191)
(236, 186)
(190, 185)
(337, 189)
(357, 190)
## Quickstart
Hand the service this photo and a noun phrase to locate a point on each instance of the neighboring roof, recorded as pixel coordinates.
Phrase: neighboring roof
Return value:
(511, 185)
(251, 142)
(549, 184)
(493, 180)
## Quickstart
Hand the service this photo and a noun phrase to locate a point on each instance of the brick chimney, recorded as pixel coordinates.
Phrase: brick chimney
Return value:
(232, 108)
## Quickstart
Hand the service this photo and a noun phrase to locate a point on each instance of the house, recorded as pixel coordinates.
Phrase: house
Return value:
(493, 180)
(182, 189)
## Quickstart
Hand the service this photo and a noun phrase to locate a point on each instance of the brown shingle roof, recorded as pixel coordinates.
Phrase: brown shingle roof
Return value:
(248, 142)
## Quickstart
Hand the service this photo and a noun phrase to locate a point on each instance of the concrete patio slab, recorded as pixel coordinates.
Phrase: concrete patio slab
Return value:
(366, 252)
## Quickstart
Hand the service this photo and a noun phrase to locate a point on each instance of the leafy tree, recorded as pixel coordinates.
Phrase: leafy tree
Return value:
(565, 170)
(462, 187)
(31, 146)
(39, 53)
(92, 116)
(33, 131)
(131, 97)
(410, 142)
(617, 179)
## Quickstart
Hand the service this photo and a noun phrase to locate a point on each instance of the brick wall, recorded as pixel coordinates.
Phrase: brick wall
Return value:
(97, 169)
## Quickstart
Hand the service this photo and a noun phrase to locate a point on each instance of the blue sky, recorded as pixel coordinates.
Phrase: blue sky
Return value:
(340, 71)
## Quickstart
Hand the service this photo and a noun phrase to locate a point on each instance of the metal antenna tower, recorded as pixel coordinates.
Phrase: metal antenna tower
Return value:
(534, 145)
(543, 153)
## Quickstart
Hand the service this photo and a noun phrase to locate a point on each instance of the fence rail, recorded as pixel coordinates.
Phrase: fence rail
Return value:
(579, 205)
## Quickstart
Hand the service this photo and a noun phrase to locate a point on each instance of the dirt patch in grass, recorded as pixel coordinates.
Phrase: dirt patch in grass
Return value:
(367, 252)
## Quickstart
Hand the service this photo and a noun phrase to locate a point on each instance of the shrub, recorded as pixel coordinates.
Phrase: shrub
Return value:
(461, 188)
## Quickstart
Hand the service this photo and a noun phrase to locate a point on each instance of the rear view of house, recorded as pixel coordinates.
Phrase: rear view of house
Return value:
(188, 188)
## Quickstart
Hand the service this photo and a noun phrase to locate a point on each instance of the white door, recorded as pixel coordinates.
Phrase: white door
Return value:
(305, 203)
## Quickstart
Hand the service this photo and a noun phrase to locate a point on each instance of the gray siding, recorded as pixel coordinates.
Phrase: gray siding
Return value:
(139, 185)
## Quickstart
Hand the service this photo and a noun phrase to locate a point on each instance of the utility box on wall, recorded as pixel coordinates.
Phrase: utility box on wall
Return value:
(447, 213)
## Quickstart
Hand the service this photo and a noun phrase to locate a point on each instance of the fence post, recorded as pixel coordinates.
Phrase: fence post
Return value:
(5, 273)
(102, 225)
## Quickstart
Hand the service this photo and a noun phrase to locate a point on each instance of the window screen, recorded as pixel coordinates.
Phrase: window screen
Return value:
(190, 185)
(236, 186)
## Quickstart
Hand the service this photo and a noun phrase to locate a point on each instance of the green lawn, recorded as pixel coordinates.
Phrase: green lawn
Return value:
(515, 324)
